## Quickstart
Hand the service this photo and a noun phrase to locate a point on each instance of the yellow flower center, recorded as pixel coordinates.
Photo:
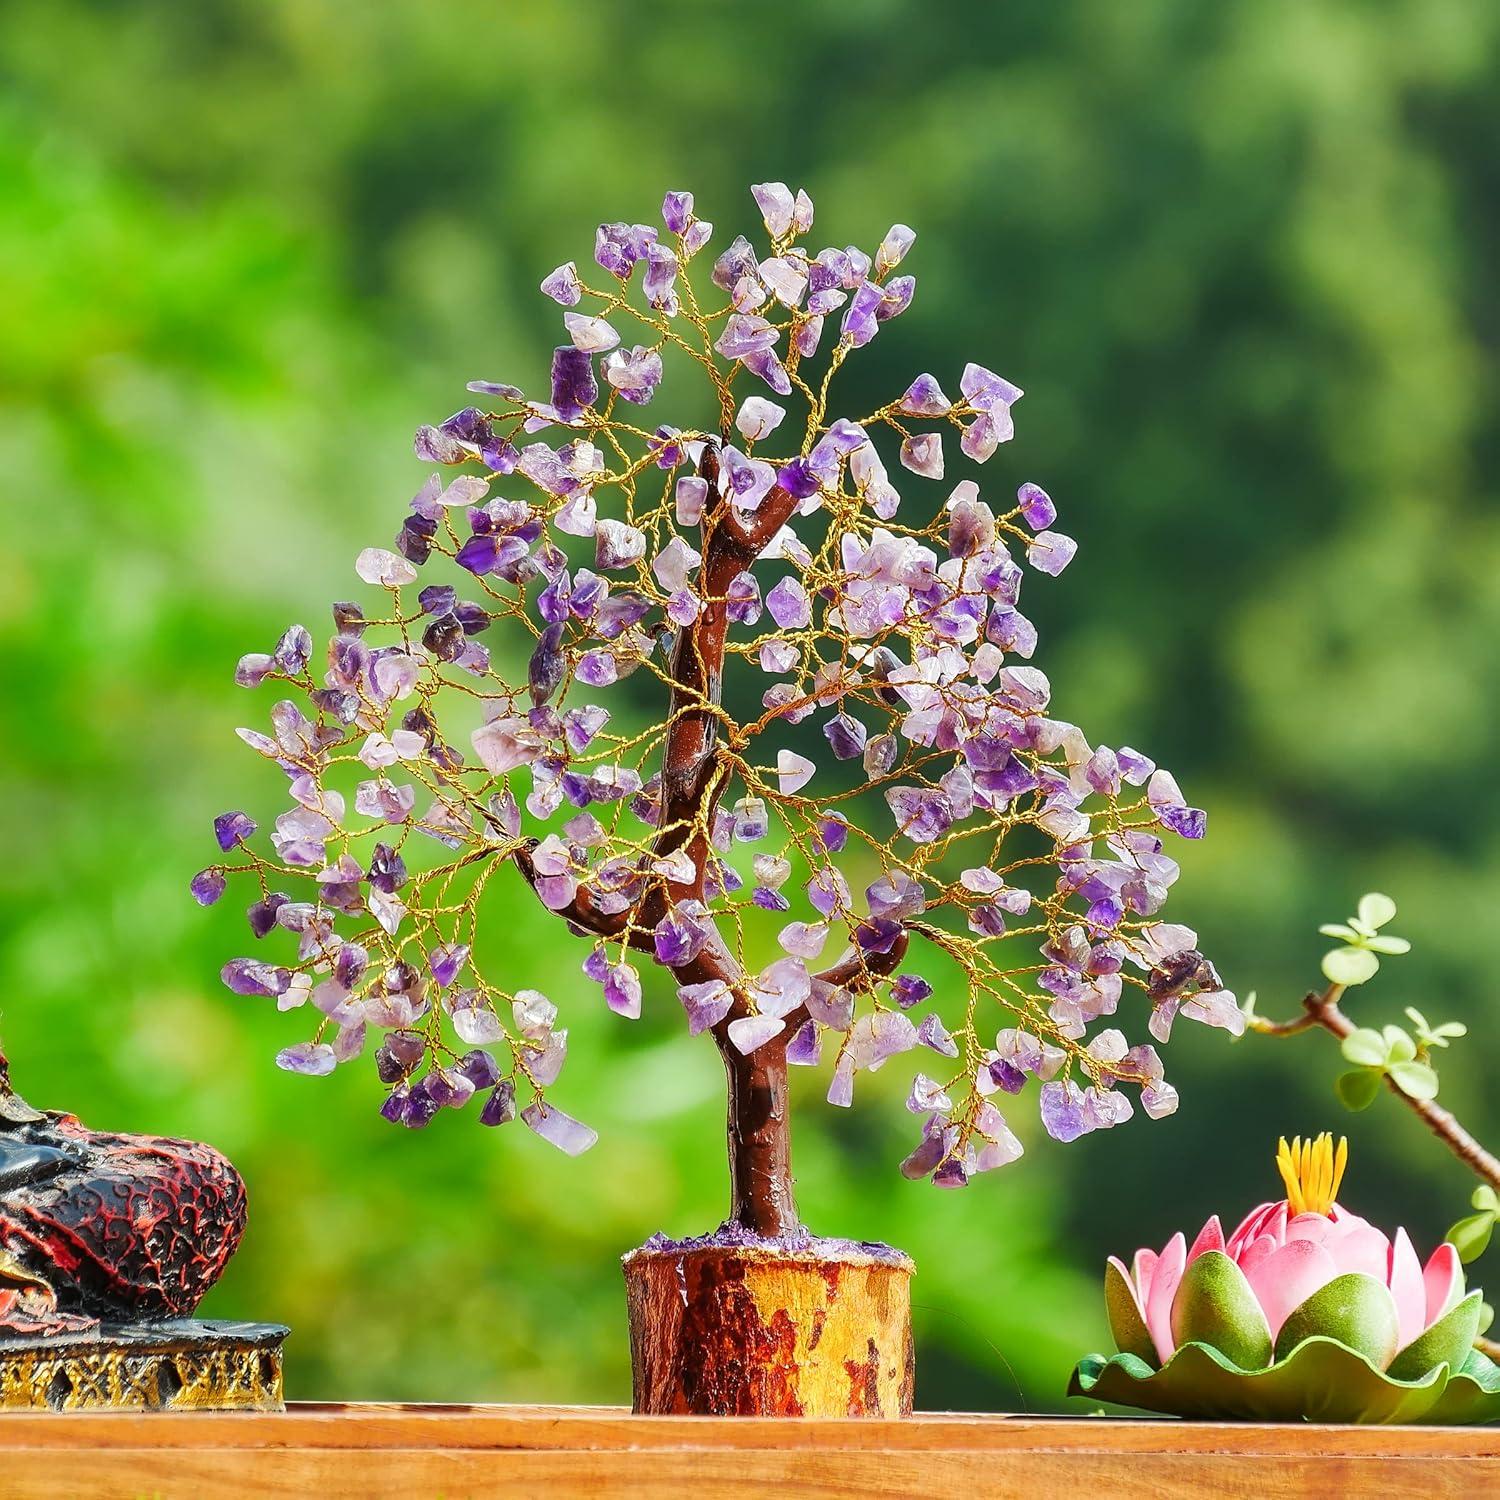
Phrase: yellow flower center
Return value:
(1312, 1171)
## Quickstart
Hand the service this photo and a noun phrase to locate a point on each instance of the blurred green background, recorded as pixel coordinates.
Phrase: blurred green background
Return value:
(1241, 258)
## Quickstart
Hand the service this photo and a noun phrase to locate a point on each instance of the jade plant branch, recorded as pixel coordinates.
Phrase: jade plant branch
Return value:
(1321, 1009)
(694, 776)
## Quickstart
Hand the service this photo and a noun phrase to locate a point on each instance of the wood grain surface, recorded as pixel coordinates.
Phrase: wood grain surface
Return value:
(334, 1452)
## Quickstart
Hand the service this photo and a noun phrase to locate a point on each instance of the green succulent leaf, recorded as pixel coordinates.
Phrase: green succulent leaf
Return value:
(1354, 1309)
(1486, 1199)
(1471, 1236)
(1447, 1342)
(1125, 1321)
(1214, 1305)
(1415, 1078)
(1388, 944)
(1375, 910)
(1399, 1046)
(1350, 966)
(1357, 1089)
(1486, 1317)
(1365, 1048)
(1340, 930)
(1434, 1036)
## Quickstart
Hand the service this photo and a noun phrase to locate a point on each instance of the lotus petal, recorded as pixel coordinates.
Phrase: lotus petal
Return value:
(1443, 1280)
(1164, 1282)
(1315, 1227)
(1287, 1277)
(1356, 1310)
(1251, 1255)
(1447, 1342)
(1250, 1228)
(1215, 1305)
(1405, 1282)
(1210, 1237)
(1143, 1268)
(1127, 1318)
(1362, 1249)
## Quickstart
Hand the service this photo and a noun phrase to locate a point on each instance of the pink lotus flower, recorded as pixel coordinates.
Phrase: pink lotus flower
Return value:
(1288, 1251)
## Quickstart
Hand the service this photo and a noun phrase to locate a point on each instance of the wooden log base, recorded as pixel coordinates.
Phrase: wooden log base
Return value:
(761, 1328)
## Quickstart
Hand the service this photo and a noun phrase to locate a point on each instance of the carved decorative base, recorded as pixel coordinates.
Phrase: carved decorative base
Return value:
(188, 1365)
(764, 1328)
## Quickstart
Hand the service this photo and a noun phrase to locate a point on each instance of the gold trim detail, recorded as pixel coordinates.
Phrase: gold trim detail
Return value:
(225, 1374)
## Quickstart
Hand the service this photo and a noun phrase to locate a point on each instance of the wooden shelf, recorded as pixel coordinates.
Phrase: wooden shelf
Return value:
(415, 1452)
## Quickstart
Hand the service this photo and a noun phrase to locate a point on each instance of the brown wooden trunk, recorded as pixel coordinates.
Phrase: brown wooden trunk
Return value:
(758, 1330)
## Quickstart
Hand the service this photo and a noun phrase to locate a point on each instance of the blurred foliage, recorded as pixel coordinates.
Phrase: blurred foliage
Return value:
(1237, 256)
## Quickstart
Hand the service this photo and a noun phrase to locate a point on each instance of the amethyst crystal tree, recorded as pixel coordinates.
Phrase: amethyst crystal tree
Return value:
(764, 572)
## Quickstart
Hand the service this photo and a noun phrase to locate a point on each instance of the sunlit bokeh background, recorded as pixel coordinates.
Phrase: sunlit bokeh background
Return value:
(1240, 257)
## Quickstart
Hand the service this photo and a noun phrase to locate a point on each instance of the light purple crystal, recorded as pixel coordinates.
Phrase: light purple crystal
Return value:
(562, 285)
(570, 1136)
(1063, 1109)
(789, 605)
(312, 1059)
(752, 1032)
(1036, 506)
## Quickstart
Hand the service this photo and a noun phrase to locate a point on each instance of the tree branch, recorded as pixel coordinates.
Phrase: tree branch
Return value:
(1323, 1010)
(583, 917)
(693, 779)
(691, 785)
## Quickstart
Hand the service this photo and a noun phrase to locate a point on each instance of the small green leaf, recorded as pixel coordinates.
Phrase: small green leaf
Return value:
(1415, 1079)
(1388, 945)
(1486, 1317)
(1350, 966)
(1399, 1046)
(1365, 1048)
(1486, 1199)
(1416, 1018)
(1376, 910)
(1357, 1089)
(1471, 1236)
(1449, 1030)
(1340, 930)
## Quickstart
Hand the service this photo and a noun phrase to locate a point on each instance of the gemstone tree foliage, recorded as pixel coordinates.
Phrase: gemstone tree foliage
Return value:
(764, 571)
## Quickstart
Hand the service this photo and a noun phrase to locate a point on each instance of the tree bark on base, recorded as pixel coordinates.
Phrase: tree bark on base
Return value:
(757, 1330)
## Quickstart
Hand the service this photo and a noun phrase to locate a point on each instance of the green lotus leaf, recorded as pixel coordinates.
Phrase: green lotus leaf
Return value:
(1214, 1305)
(1321, 1380)
(1473, 1393)
(1125, 1321)
(1354, 1309)
(1447, 1342)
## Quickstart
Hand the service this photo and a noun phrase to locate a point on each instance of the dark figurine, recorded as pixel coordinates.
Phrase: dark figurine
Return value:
(110, 1241)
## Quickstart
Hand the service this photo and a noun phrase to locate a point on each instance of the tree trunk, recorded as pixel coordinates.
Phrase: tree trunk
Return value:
(762, 1196)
